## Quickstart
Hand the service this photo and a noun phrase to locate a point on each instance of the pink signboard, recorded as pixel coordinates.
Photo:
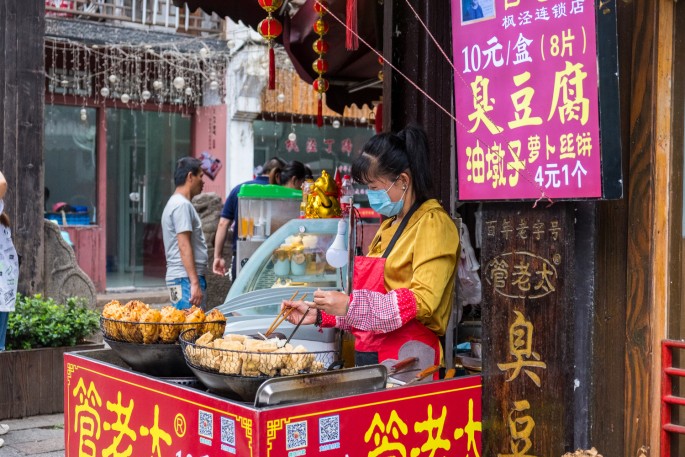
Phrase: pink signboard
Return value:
(527, 107)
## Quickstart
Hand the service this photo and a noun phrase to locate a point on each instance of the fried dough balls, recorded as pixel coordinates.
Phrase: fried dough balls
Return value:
(137, 322)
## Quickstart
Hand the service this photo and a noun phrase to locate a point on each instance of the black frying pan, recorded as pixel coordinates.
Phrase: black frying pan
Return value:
(162, 360)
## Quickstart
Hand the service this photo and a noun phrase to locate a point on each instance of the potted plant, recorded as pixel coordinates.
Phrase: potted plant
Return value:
(39, 332)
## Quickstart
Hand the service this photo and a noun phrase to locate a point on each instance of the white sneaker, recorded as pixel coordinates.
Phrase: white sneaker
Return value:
(4, 428)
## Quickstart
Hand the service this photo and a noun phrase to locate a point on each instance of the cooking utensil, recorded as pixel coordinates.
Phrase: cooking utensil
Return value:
(401, 365)
(239, 373)
(280, 317)
(423, 374)
(297, 326)
(243, 388)
(472, 365)
(283, 315)
(163, 360)
(320, 386)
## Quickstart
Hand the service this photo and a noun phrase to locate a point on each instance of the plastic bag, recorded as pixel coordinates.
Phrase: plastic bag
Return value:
(469, 292)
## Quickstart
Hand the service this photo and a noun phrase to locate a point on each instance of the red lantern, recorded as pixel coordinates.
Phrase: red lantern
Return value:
(320, 27)
(320, 85)
(320, 7)
(320, 65)
(320, 46)
(270, 28)
(270, 5)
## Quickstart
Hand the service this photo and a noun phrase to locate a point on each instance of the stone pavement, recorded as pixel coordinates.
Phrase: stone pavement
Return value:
(39, 436)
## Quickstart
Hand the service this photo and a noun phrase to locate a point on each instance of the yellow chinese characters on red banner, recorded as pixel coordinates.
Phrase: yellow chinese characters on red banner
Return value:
(526, 99)
(112, 412)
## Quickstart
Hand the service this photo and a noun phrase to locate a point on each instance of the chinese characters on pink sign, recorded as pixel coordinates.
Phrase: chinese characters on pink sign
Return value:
(526, 89)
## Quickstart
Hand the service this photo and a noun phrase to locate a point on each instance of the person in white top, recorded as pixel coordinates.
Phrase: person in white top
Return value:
(184, 242)
(9, 275)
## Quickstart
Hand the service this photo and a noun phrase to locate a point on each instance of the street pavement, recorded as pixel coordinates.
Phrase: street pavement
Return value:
(39, 436)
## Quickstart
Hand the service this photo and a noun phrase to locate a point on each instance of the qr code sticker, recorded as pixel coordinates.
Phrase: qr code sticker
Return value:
(296, 435)
(206, 424)
(228, 431)
(329, 429)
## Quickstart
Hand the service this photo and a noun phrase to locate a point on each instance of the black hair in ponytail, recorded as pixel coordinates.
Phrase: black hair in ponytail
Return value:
(388, 154)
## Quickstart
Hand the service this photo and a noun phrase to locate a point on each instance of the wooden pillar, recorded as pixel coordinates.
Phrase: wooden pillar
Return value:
(527, 260)
(409, 47)
(22, 86)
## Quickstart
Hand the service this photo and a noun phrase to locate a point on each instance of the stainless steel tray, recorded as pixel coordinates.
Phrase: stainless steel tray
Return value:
(320, 386)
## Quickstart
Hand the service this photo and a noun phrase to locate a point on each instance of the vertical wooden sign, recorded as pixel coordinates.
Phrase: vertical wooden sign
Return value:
(527, 268)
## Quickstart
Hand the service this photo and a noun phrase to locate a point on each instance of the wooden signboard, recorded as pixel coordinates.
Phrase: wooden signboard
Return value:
(527, 263)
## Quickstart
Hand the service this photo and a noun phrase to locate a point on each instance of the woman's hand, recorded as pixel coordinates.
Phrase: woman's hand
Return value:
(300, 309)
(331, 302)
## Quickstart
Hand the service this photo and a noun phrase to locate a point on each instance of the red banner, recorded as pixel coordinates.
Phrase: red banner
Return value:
(111, 412)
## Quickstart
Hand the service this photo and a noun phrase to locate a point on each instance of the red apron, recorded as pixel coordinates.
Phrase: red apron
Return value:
(369, 274)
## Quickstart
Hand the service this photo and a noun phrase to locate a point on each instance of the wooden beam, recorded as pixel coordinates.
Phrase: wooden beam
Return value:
(22, 77)
(662, 210)
(407, 44)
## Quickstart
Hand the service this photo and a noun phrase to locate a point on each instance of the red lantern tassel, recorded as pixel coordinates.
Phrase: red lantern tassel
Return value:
(351, 38)
(319, 114)
(272, 68)
(379, 118)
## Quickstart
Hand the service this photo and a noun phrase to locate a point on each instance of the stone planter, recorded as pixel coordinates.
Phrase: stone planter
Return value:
(32, 381)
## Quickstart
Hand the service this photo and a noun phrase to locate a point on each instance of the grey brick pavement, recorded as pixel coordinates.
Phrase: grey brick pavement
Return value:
(39, 436)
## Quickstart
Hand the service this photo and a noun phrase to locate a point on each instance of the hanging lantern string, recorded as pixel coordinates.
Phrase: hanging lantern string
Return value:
(525, 175)
(416, 86)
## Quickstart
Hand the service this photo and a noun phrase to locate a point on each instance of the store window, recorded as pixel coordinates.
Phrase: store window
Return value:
(325, 148)
(70, 165)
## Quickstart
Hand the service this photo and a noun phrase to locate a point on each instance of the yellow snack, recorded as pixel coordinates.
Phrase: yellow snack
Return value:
(170, 315)
(204, 340)
(215, 322)
(150, 330)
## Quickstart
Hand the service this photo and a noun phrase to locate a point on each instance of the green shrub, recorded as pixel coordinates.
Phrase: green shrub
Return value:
(39, 322)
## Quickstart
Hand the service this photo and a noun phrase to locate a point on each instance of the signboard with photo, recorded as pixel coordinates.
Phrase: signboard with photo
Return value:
(537, 110)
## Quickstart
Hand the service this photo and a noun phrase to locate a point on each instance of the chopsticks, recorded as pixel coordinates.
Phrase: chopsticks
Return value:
(283, 315)
(297, 326)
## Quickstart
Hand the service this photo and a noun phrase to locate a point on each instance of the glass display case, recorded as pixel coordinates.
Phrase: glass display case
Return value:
(262, 209)
(292, 257)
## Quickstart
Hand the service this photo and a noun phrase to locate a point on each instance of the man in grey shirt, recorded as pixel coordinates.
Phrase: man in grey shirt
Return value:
(184, 242)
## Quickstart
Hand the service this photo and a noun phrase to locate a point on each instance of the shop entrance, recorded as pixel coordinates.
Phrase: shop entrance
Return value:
(142, 149)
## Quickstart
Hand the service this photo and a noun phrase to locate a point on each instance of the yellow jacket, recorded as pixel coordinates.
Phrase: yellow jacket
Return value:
(423, 260)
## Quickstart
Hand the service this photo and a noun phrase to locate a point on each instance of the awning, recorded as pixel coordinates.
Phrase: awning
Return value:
(349, 72)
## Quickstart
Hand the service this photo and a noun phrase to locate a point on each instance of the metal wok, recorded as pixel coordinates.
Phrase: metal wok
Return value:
(235, 387)
(231, 380)
(162, 360)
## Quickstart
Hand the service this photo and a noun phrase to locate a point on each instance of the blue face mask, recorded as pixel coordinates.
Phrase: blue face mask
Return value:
(381, 203)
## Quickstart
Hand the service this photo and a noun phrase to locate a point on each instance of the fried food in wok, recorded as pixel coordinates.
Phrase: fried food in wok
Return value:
(241, 355)
(171, 315)
(150, 329)
(137, 322)
(215, 323)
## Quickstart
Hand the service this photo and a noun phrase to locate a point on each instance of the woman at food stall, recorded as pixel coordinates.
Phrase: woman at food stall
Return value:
(402, 291)
(290, 175)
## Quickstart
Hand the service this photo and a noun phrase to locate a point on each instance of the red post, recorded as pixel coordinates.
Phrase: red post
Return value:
(667, 397)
